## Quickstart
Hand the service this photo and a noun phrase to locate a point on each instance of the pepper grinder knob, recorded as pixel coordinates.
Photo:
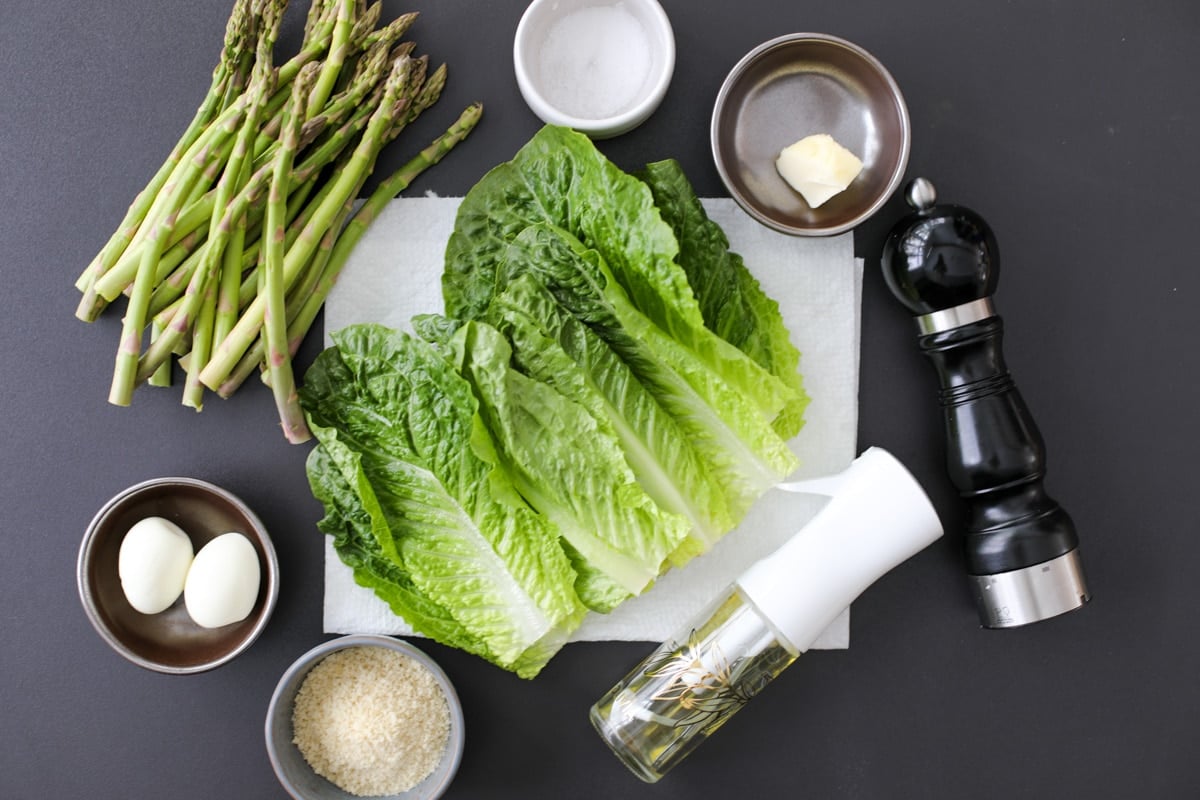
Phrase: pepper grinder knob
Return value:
(942, 262)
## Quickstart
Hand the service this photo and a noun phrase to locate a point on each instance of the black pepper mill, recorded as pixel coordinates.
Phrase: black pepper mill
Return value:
(942, 262)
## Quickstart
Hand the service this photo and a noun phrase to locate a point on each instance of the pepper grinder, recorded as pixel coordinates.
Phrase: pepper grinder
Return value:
(942, 263)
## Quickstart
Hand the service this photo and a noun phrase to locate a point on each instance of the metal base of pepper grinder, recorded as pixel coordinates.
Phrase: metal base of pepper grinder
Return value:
(1031, 594)
(942, 262)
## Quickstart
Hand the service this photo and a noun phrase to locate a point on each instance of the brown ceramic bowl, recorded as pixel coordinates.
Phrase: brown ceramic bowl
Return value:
(794, 86)
(170, 641)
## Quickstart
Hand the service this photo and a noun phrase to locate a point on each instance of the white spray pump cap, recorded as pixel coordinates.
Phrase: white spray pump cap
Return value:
(877, 517)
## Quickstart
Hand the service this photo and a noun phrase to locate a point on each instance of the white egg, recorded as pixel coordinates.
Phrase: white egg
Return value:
(222, 584)
(153, 564)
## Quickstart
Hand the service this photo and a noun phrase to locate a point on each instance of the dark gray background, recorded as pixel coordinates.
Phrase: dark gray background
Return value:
(1072, 127)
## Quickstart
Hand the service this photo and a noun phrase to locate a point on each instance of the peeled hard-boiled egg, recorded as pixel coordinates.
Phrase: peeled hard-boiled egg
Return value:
(153, 564)
(222, 584)
(818, 167)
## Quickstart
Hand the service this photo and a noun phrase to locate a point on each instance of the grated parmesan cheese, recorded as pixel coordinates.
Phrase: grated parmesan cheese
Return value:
(371, 720)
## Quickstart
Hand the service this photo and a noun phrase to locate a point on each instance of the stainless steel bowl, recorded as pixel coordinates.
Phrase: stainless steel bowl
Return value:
(794, 86)
(170, 641)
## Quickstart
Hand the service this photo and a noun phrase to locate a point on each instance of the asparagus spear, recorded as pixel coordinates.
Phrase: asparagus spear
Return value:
(226, 355)
(161, 376)
(261, 87)
(125, 369)
(183, 319)
(389, 34)
(235, 44)
(370, 210)
(339, 253)
(275, 314)
(333, 63)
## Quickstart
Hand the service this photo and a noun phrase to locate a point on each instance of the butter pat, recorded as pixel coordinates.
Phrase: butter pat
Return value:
(818, 167)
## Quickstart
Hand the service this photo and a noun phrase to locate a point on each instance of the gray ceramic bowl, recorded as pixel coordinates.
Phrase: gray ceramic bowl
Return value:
(170, 641)
(794, 86)
(294, 772)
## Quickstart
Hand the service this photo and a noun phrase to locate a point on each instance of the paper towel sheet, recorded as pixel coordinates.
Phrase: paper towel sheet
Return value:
(395, 273)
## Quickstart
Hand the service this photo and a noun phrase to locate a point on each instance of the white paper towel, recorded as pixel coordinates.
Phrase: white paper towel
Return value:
(395, 273)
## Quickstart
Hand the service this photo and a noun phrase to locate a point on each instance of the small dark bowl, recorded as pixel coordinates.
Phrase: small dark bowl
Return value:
(794, 86)
(170, 641)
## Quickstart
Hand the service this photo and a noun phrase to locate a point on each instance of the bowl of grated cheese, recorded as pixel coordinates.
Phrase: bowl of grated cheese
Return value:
(365, 716)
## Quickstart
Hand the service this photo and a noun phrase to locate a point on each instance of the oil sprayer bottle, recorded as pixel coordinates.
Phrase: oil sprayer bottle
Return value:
(877, 517)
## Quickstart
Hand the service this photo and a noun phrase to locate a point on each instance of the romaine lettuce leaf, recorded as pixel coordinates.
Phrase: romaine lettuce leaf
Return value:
(457, 527)
(552, 346)
(569, 468)
(559, 178)
(336, 477)
(740, 450)
(731, 301)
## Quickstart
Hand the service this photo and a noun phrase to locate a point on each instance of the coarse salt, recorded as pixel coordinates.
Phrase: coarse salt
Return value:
(595, 62)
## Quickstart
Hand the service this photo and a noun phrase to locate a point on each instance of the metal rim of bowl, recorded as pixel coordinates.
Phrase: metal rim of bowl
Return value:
(747, 203)
(605, 127)
(271, 569)
(301, 666)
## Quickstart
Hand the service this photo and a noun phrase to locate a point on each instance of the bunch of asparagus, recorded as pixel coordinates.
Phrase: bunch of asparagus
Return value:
(229, 252)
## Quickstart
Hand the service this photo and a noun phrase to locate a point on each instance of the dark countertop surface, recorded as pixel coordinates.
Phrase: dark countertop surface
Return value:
(1071, 127)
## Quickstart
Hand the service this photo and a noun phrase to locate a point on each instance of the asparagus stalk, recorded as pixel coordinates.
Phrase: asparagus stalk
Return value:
(316, 10)
(235, 43)
(366, 19)
(333, 62)
(429, 94)
(301, 322)
(193, 390)
(166, 206)
(168, 292)
(162, 375)
(275, 313)
(184, 317)
(219, 310)
(174, 257)
(125, 369)
(345, 185)
(179, 230)
(389, 34)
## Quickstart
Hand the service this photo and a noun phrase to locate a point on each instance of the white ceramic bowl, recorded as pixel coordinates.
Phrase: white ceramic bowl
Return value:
(598, 66)
(294, 773)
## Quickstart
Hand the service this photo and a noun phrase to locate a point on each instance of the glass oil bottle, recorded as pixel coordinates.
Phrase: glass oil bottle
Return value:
(877, 517)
